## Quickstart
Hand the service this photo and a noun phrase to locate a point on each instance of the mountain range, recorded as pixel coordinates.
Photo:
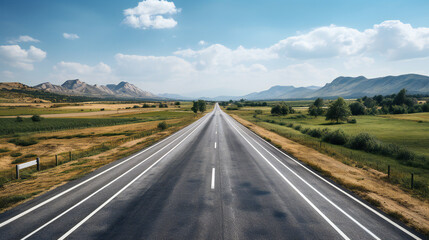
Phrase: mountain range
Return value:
(77, 87)
(347, 87)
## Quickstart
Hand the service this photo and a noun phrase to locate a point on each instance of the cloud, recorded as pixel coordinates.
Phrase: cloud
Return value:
(15, 56)
(393, 40)
(218, 55)
(70, 36)
(202, 43)
(151, 14)
(24, 38)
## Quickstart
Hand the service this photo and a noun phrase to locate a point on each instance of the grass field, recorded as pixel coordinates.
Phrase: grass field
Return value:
(406, 130)
(15, 111)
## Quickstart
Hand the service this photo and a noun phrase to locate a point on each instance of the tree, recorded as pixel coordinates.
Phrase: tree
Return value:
(201, 105)
(357, 108)
(400, 97)
(281, 109)
(369, 103)
(19, 119)
(36, 118)
(316, 108)
(318, 103)
(338, 110)
(162, 125)
(177, 103)
(195, 107)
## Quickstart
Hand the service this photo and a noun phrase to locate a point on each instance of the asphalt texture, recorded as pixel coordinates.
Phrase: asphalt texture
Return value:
(214, 179)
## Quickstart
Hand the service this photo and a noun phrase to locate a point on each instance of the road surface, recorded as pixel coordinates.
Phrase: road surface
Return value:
(214, 179)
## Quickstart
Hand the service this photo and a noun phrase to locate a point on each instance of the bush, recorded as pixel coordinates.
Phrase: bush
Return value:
(405, 155)
(353, 120)
(337, 137)
(162, 125)
(364, 141)
(258, 111)
(290, 125)
(19, 119)
(2, 150)
(298, 127)
(232, 108)
(146, 105)
(316, 132)
(23, 141)
(136, 106)
(36, 118)
(357, 108)
(15, 154)
(102, 109)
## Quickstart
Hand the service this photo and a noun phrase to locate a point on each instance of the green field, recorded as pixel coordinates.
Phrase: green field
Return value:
(15, 111)
(406, 130)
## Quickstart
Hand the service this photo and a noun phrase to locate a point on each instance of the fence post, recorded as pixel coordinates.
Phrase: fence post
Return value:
(388, 171)
(38, 164)
(17, 172)
(412, 180)
(56, 160)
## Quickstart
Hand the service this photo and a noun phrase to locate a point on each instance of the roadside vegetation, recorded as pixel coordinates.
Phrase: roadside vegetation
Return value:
(80, 145)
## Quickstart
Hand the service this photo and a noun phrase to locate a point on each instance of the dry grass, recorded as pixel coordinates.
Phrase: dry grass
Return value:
(45, 180)
(367, 183)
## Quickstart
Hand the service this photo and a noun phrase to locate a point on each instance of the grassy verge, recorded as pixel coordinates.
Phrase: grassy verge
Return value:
(354, 170)
(82, 161)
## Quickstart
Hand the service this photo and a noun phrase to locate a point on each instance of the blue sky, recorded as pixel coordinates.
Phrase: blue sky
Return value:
(211, 47)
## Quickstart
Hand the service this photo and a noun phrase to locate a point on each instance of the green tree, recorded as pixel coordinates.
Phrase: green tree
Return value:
(177, 103)
(202, 105)
(281, 109)
(400, 97)
(357, 108)
(36, 118)
(318, 103)
(316, 108)
(195, 107)
(338, 110)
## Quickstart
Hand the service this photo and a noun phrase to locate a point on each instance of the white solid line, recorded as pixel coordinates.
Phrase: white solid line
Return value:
(105, 186)
(122, 189)
(213, 178)
(90, 179)
(295, 188)
(215, 144)
(345, 193)
(323, 196)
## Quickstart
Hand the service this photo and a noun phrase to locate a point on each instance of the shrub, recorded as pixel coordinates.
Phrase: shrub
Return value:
(353, 120)
(2, 150)
(316, 132)
(364, 141)
(357, 108)
(15, 154)
(136, 106)
(232, 108)
(146, 105)
(258, 111)
(36, 118)
(19, 119)
(102, 109)
(162, 125)
(305, 130)
(405, 155)
(23, 141)
(290, 125)
(298, 127)
(337, 137)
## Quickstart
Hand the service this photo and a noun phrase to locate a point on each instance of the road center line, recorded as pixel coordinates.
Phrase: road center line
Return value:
(92, 178)
(343, 235)
(215, 144)
(125, 187)
(213, 178)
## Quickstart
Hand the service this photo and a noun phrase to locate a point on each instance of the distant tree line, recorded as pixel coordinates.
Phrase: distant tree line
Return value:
(199, 105)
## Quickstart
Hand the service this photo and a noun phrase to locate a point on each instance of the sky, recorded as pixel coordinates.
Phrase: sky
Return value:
(212, 47)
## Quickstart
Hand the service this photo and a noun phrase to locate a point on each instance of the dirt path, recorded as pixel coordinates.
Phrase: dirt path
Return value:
(366, 183)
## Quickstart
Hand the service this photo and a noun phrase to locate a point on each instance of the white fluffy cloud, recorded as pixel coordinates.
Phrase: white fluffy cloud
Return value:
(15, 56)
(70, 36)
(151, 14)
(24, 38)
(393, 40)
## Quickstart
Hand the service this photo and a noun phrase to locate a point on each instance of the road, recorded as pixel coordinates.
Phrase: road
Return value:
(214, 179)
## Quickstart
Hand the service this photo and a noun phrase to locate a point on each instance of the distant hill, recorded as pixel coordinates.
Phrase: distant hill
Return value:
(174, 96)
(361, 86)
(281, 92)
(349, 87)
(79, 88)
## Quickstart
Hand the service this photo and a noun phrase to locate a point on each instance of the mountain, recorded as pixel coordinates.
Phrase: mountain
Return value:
(15, 85)
(77, 87)
(174, 96)
(281, 92)
(362, 86)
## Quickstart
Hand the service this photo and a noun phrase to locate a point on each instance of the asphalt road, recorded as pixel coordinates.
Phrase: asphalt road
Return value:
(214, 179)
